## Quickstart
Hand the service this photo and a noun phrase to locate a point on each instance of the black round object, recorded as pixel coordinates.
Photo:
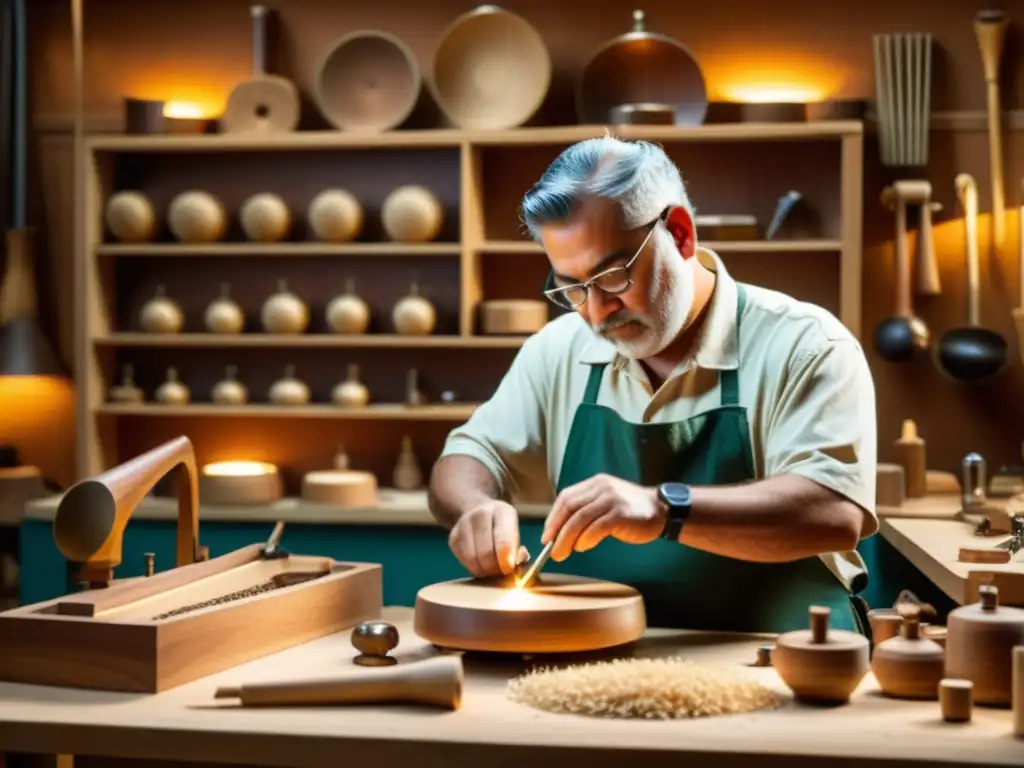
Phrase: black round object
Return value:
(900, 339)
(8, 456)
(971, 354)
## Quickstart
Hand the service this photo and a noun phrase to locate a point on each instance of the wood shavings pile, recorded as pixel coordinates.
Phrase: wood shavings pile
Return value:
(663, 689)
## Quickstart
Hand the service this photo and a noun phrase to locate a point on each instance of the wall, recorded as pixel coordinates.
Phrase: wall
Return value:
(196, 50)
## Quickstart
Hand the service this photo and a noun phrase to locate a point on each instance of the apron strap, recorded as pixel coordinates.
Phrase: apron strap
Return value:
(593, 383)
(731, 379)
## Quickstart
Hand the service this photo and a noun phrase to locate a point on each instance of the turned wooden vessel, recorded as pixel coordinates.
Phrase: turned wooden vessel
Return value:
(152, 633)
(558, 614)
(909, 666)
(979, 646)
(821, 666)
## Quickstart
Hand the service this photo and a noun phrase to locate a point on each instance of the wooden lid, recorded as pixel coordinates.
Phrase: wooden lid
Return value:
(819, 637)
(987, 610)
(491, 70)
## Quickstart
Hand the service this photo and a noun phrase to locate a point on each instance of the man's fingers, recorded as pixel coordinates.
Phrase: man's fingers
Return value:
(483, 544)
(461, 543)
(575, 526)
(568, 502)
(505, 535)
(598, 530)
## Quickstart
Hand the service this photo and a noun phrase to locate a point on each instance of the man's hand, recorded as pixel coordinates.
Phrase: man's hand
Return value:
(486, 539)
(586, 513)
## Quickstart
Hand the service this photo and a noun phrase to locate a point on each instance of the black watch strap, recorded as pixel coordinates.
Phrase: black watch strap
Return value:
(676, 498)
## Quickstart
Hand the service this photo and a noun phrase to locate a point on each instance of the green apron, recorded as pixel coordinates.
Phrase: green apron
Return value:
(685, 587)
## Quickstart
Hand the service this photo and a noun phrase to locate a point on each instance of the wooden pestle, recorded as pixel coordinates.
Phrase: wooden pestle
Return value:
(88, 527)
(435, 682)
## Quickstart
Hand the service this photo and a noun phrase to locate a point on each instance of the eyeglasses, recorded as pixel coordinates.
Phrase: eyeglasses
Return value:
(612, 281)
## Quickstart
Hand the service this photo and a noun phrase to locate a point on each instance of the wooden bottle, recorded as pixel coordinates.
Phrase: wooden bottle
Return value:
(909, 666)
(413, 394)
(289, 390)
(161, 314)
(230, 391)
(351, 393)
(979, 646)
(173, 391)
(348, 312)
(413, 315)
(284, 312)
(407, 475)
(223, 315)
(126, 391)
(912, 456)
(821, 666)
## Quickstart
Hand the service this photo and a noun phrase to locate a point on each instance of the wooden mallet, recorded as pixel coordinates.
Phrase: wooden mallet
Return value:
(990, 31)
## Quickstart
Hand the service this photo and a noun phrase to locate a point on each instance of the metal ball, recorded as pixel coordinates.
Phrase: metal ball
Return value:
(375, 638)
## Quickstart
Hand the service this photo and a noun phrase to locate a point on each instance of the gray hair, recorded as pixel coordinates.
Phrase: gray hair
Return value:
(636, 175)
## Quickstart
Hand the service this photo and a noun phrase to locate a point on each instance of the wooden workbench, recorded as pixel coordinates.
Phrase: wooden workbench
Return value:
(185, 724)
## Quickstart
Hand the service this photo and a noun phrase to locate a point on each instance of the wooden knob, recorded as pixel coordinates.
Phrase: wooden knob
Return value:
(819, 623)
(989, 596)
(374, 640)
(956, 700)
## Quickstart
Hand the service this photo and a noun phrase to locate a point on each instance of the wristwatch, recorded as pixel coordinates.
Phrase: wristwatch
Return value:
(676, 497)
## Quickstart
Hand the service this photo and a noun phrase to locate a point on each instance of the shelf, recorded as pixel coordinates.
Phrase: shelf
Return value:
(320, 340)
(279, 249)
(719, 246)
(382, 411)
(311, 140)
(393, 507)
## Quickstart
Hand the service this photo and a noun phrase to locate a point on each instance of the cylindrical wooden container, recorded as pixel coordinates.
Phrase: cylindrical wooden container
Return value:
(228, 483)
(340, 488)
(518, 316)
(909, 666)
(979, 646)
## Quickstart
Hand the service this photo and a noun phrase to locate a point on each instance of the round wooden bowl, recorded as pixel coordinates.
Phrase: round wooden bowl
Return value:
(491, 70)
(519, 316)
(367, 81)
(340, 488)
(560, 613)
(228, 483)
(641, 67)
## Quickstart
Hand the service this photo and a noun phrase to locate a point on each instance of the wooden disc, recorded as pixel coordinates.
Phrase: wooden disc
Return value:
(559, 614)
(265, 104)
(340, 488)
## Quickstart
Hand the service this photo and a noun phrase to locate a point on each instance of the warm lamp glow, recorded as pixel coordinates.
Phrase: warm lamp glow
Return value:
(184, 110)
(37, 417)
(792, 94)
(239, 469)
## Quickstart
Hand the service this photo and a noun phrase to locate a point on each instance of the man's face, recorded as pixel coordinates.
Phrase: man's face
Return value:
(653, 310)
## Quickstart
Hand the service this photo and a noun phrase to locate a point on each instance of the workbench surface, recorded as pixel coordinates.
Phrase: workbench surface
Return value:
(489, 729)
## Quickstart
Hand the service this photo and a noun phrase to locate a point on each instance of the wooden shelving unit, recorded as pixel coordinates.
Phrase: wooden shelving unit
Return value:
(480, 178)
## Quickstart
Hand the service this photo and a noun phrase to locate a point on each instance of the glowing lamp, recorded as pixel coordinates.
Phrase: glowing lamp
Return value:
(184, 117)
(231, 483)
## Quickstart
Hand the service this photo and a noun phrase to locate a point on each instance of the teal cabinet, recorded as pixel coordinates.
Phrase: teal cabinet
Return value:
(412, 555)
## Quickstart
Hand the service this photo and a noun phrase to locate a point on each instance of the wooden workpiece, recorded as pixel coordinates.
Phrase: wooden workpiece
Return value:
(187, 723)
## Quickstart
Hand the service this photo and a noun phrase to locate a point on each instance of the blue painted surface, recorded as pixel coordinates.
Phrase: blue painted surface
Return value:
(412, 556)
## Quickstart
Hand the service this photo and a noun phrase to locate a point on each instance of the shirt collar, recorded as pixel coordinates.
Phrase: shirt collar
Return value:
(718, 344)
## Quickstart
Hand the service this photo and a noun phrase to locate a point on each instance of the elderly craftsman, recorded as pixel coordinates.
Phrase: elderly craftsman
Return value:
(709, 442)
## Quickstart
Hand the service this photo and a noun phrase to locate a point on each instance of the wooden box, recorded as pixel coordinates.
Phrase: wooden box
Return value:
(149, 634)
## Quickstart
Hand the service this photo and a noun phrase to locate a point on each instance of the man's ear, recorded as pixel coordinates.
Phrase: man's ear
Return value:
(683, 230)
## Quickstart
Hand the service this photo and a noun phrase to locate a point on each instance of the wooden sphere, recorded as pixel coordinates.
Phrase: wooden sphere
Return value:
(335, 216)
(413, 315)
(230, 391)
(173, 391)
(909, 666)
(819, 665)
(558, 614)
(265, 218)
(289, 390)
(412, 214)
(348, 313)
(223, 315)
(284, 312)
(979, 646)
(197, 217)
(161, 314)
(130, 217)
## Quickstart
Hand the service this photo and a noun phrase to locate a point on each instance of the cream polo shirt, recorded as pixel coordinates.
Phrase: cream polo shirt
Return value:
(803, 379)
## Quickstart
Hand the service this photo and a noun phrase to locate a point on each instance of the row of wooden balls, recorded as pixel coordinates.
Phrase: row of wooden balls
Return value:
(285, 313)
(288, 390)
(409, 214)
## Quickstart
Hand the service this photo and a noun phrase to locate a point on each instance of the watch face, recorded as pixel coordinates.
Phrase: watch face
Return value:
(676, 494)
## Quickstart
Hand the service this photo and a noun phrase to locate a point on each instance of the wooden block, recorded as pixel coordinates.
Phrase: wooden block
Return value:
(987, 555)
(1018, 691)
(889, 485)
(956, 700)
(164, 640)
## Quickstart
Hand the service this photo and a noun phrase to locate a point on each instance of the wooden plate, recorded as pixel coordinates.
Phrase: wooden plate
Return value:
(559, 614)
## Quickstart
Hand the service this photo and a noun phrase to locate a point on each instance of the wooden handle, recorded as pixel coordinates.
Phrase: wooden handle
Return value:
(819, 623)
(990, 31)
(434, 682)
(928, 281)
(259, 39)
(91, 517)
(18, 290)
(967, 192)
(894, 200)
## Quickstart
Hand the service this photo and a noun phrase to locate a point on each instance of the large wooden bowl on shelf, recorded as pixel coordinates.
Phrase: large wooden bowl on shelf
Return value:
(560, 613)
(368, 81)
(491, 70)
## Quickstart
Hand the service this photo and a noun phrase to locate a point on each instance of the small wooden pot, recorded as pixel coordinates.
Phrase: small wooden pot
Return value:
(516, 316)
(230, 483)
(818, 665)
(979, 646)
(909, 666)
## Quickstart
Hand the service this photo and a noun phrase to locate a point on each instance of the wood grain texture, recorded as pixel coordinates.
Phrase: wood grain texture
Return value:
(560, 613)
